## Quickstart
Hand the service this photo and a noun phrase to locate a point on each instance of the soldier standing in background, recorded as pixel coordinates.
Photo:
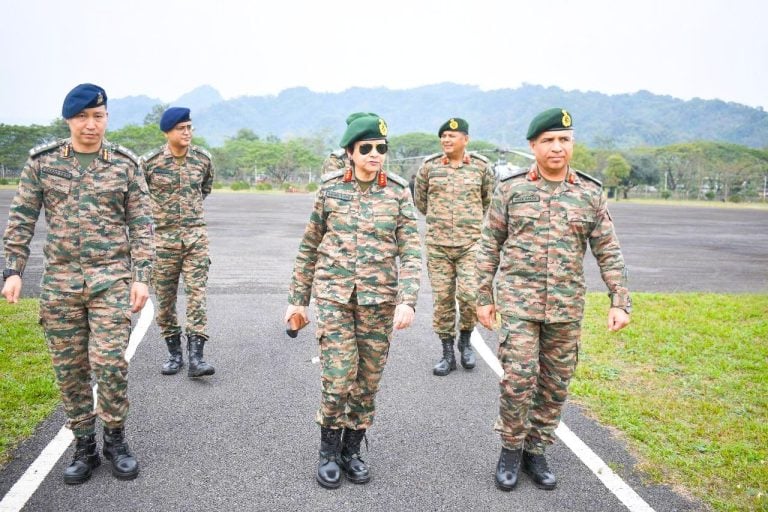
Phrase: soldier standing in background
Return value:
(98, 263)
(180, 177)
(453, 189)
(362, 224)
(536, 233)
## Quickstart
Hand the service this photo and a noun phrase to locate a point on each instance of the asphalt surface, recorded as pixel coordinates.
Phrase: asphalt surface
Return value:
(245, 439)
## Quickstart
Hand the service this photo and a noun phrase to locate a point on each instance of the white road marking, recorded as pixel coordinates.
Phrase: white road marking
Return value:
(18, 495)
(611, 480)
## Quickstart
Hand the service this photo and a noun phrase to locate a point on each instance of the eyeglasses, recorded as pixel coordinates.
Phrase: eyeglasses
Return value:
(184, 128)
(366, 148)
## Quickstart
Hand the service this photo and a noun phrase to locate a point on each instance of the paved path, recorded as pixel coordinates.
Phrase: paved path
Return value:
(245, 440)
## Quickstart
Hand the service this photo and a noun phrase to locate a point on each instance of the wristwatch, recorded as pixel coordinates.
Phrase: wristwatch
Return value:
(10, 272)
(625, 304)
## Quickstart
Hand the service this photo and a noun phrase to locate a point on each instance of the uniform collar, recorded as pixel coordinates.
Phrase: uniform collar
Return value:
(535, 175)
(447, 161)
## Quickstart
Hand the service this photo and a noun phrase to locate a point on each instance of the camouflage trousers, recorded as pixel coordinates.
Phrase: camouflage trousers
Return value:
(88, 334)
(452, 274)
(187, 259)
(538, 360)
(354, 345)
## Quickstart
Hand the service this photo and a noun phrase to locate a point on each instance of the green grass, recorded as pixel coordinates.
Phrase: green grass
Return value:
(28, 392)
(687, 384)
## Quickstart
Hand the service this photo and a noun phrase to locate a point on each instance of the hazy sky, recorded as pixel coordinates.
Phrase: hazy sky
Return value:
(165, 48)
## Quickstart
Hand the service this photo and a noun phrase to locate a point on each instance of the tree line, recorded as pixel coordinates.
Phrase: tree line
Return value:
(696, 170)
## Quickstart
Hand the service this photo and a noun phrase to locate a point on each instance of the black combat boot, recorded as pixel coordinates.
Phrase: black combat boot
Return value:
(328, 470)
(86, 459)
(354, 466)
(467, 353)
(197, 367)
(535, 465)
(175, 360)
(124, 464)
(508, 468)
(448, 363)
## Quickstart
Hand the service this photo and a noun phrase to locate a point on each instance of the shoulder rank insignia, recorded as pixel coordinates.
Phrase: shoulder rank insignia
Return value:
(146, 157)
(117, 148)
(514, 174)
(588, 177)
(432, 157)
(202, 151)
(397, 179)
(331, 175)
(477, 155)
(42, 148)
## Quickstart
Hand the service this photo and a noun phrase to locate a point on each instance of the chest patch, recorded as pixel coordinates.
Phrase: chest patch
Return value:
(339, 195)
(61, 173)
(526, 198)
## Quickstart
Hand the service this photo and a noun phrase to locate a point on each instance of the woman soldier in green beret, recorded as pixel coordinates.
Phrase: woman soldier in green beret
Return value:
(362, 224)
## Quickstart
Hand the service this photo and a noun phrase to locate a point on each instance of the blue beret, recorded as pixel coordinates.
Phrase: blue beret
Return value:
(82, 97)
(363, 126)
(172, 117)
(551, 120)
(455, 124)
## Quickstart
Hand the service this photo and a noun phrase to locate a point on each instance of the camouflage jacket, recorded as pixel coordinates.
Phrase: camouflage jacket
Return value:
(537, 241)
(177, 191)
(353, 242)
(454, 200)
(98, 219)
(335, 161)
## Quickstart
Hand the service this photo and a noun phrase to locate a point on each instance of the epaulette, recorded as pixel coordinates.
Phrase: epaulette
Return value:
(42, 148)
(339, 153)
(397, 179)
(117, 148)
(432, 157)
(513, 174)
(588, 177)
(330, 175)
(474, 154)
(202, 151)
(146, 157)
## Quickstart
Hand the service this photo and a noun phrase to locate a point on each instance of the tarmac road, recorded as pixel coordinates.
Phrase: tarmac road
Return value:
(245, 438)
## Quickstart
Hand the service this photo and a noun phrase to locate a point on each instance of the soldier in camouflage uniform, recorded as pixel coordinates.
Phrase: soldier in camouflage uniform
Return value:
(362, 224)
(336, 161)
(453, 189)
(180, 177)
(98, 261)
(536, 233)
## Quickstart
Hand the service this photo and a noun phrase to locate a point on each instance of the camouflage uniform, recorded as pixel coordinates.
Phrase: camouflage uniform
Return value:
(90, 260)
(454, 201)
(537, 238)
(177, 192)
(348, 258)
(336, 161)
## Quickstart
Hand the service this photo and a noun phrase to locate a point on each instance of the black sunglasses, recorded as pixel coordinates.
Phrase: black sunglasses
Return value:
(380, 149)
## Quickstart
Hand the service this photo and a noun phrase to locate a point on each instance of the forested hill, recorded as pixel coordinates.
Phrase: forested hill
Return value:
(498, 116)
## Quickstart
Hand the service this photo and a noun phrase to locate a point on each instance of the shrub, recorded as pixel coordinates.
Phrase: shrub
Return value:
(735, 198)
(263, 186)
(240, 185)
(4, 181)
(709, 195)
(311, 187)
(666, 194)
(217, 185)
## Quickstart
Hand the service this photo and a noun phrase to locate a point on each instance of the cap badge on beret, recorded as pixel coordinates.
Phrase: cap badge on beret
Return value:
(566, 119)
(99, 99)
(453, 124)
(383, 127)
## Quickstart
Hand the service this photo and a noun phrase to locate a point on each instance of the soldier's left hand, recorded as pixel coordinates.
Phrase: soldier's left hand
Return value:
(403, 316)
(139, 296)
(617, 319)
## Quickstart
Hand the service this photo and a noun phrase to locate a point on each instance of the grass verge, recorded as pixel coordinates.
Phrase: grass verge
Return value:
(687, 383)
(28, 392)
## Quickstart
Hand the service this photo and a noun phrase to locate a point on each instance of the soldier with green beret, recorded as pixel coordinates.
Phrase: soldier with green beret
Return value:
(180, 176)
(535, 234)
(98, 263)
(361, 259)
(453, 190)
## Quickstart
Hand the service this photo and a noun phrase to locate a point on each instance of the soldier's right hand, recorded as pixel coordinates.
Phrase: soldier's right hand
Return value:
(302, 310)
(12, 289)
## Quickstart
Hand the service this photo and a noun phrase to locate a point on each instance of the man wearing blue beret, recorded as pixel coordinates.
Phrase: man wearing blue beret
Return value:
(180, 177)
(98, 264)
(535, 233)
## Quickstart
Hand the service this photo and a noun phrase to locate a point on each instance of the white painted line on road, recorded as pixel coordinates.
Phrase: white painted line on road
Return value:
(611, 480)
(18, 495)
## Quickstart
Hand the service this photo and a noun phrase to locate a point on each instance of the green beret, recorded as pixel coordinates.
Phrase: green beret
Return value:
(454, 124)
(551, 120)
(363, 126)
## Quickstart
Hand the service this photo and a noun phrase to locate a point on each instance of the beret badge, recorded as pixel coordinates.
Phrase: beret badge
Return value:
(566, 119)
